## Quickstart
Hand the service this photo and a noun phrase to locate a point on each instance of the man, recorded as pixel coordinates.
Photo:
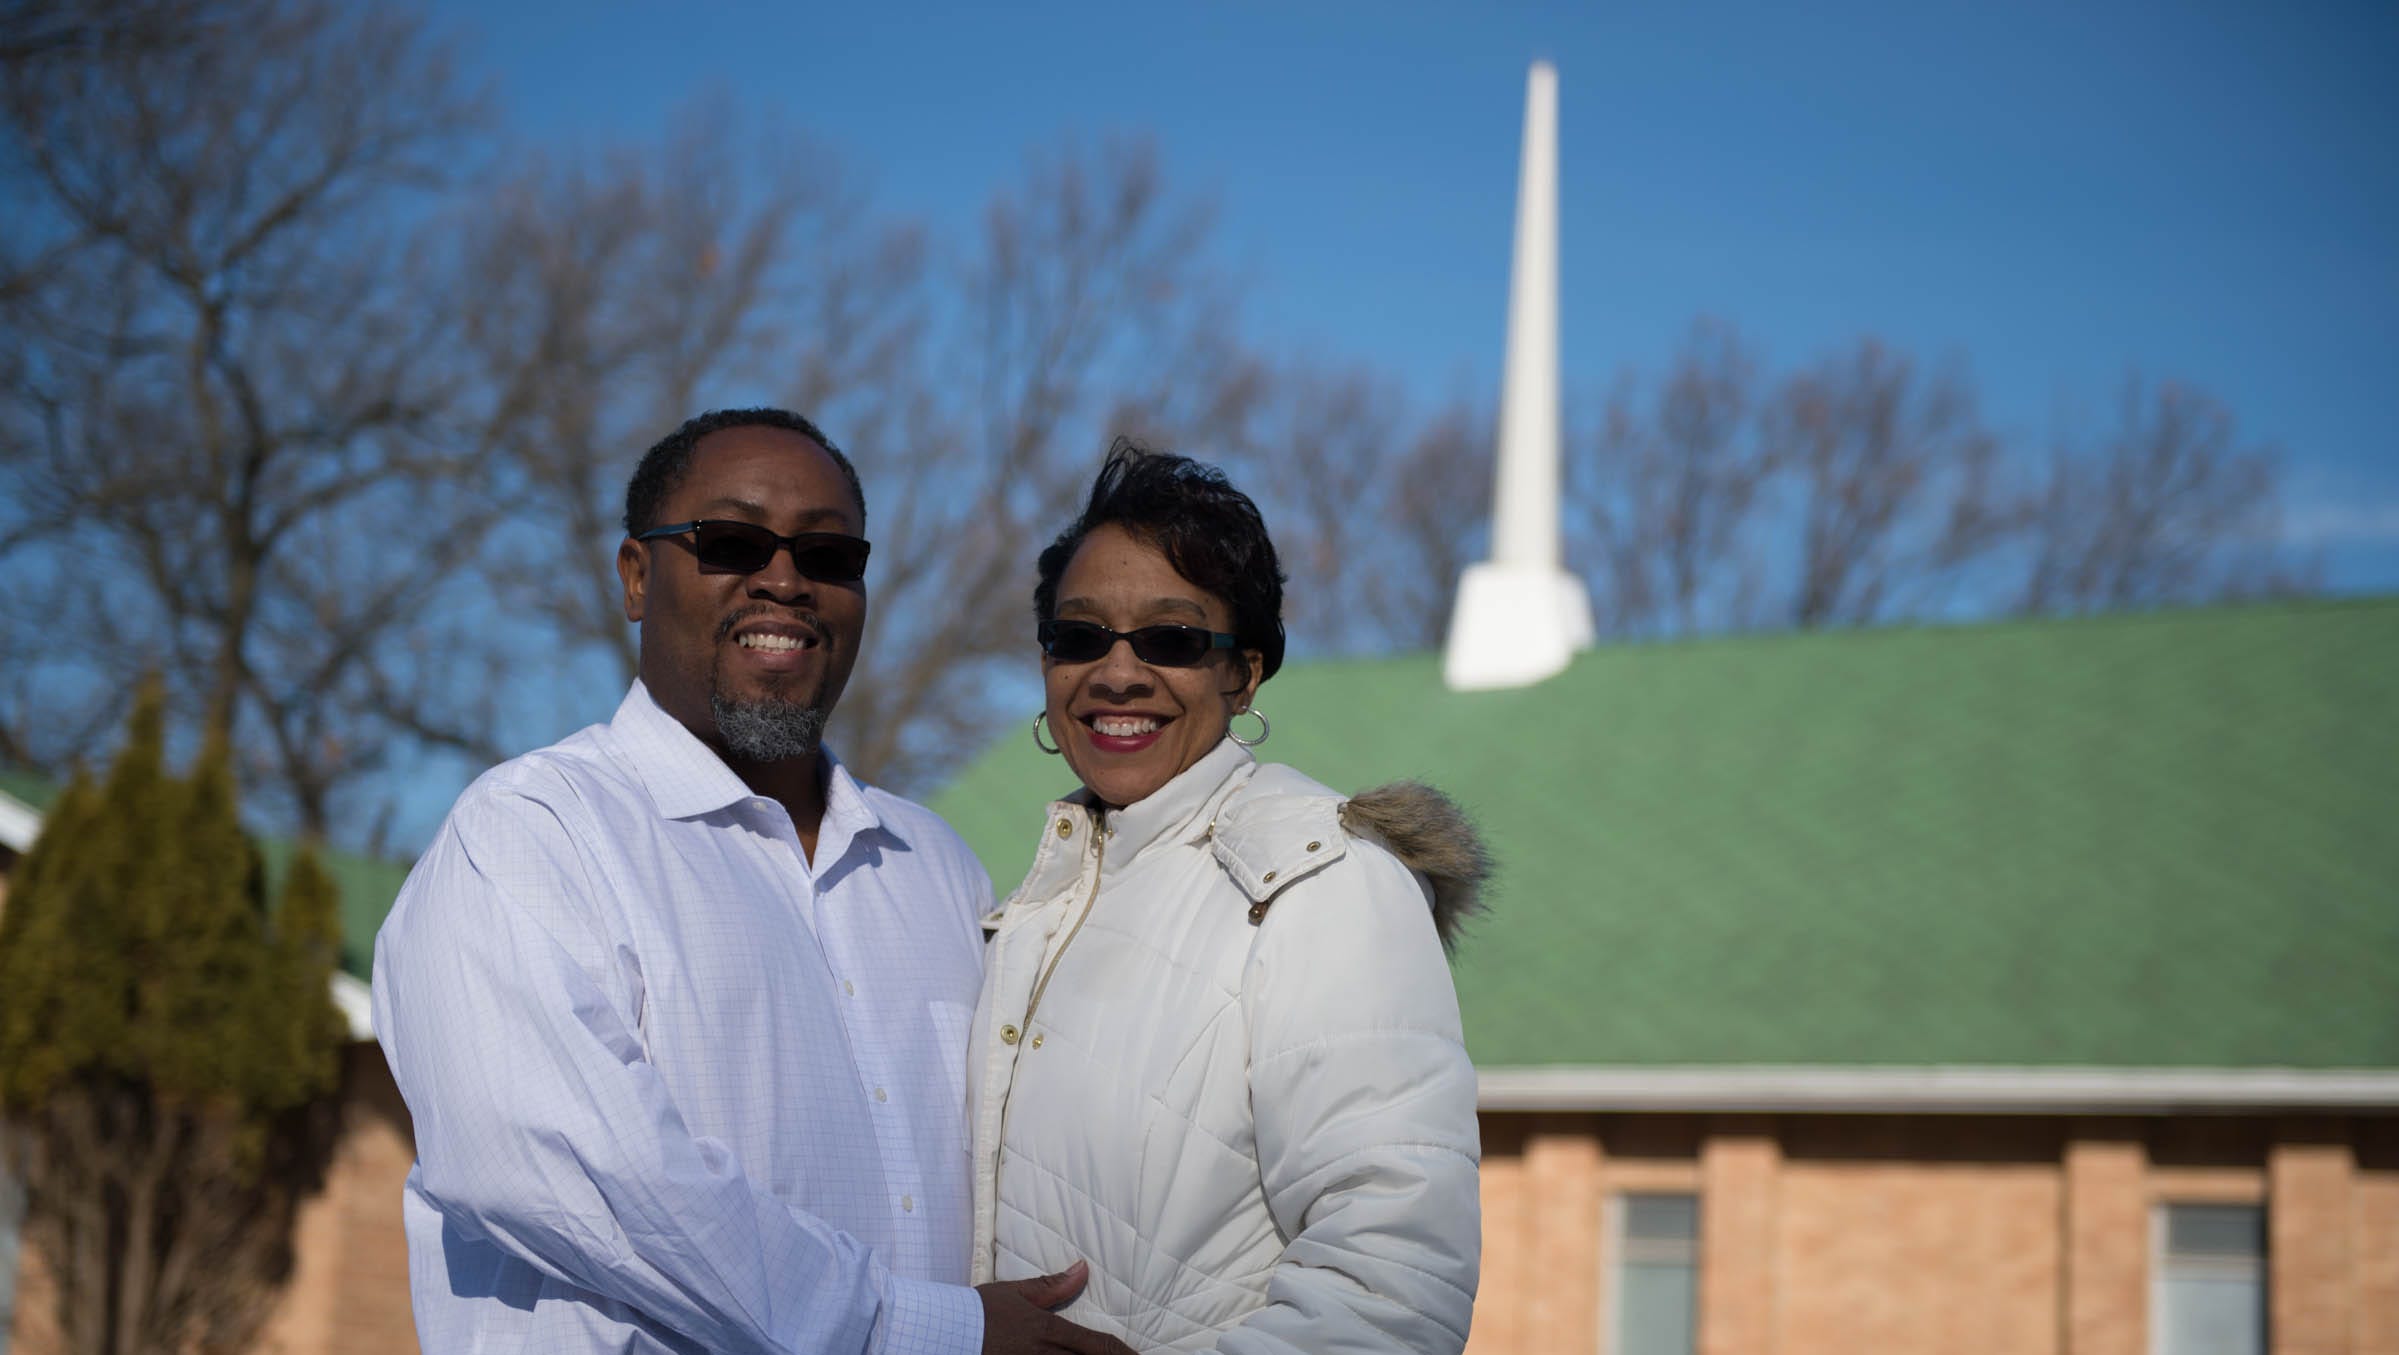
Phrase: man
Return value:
(678, 1006)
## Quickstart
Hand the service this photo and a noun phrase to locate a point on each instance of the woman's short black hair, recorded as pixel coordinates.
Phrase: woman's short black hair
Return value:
(1209, 531)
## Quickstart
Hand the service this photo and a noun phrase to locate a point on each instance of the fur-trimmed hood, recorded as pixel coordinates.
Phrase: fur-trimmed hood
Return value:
(1428, 832)
(1278, 828)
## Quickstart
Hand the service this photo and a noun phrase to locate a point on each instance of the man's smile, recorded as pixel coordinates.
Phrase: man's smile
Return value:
(773, 642)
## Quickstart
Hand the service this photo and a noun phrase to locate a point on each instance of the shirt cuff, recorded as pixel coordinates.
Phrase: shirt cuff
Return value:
(924, 1318)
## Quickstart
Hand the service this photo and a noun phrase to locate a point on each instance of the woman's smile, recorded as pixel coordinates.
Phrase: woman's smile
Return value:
(1124, 733)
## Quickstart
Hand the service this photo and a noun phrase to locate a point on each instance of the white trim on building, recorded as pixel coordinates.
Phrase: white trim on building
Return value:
(356, 1002)
(1937, 1090)
(19, 823)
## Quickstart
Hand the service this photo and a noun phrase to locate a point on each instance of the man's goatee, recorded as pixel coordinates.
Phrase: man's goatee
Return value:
(768, 730)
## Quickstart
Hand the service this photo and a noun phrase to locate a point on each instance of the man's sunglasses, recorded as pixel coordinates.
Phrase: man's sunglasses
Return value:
(1158, 646)
(725, 546)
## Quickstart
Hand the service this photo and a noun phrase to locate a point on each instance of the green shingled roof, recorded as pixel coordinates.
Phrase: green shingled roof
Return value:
(26, 789)
(2152, 841)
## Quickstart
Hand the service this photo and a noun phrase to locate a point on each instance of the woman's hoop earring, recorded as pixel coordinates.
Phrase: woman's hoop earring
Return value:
(1264, 728)
(1050, 748)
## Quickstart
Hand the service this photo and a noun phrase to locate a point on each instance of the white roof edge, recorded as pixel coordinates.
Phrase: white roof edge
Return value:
(20, 823)
(1936, 1090)
(357, 1004)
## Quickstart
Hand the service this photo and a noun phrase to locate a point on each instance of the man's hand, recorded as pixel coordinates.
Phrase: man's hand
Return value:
(1017, 1319)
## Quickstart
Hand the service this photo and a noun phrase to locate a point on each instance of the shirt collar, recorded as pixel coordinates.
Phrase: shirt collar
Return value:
(686, 779)
(1178, 810)
(849, 815)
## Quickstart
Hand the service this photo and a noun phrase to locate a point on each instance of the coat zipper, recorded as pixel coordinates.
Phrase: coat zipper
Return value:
(1099, 854)
(1024, 1031)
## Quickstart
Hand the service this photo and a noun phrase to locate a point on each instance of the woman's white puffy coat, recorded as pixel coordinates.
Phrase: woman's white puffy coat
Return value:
(1218, 1057)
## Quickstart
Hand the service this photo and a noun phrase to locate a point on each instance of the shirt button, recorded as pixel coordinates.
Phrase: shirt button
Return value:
(907, 1204)
(849, 988)
(1007, 1035)
(882, 1095)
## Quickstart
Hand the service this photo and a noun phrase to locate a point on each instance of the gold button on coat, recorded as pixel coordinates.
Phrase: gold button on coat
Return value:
(1037, 1039)
(1065, 829)
(1007, 1035)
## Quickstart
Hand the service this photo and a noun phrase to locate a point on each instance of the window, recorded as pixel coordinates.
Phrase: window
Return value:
(2209, 1294)
(1655, 1293)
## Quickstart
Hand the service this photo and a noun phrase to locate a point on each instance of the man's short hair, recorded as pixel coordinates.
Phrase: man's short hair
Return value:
(662, 467)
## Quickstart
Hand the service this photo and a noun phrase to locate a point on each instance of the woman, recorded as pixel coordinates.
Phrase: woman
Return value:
(1217, 1053)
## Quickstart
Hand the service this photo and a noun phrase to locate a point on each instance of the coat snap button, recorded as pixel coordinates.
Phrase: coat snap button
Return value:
(1037, 1039)
(1007, 1035)
(1065, 829)
(1267, 878)
(1314, 845)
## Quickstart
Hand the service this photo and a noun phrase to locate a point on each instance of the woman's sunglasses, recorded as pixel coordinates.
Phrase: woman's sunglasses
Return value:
(1158, 646)
(724, 546)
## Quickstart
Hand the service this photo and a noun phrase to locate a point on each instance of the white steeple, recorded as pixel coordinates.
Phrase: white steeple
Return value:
(1520, 616)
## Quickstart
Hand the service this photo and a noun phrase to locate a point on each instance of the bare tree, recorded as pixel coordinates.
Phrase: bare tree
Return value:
(1896, 484)
(1864, 489)
(2170, 507)
(1670, 505)
(1438, 506)
(36, 31)
(220, 429)
(1373, 502)
(1315, 459)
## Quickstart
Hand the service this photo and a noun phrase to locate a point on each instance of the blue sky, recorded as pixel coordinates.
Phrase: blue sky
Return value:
(2053, 194)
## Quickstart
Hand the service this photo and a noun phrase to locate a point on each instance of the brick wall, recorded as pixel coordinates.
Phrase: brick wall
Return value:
(1891, 1238)
(2106, 1244)
(349, 1290)
(2374, 1228)
(1989, 1235)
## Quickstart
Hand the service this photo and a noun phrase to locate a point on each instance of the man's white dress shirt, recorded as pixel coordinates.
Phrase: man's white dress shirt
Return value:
(675, 1088)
